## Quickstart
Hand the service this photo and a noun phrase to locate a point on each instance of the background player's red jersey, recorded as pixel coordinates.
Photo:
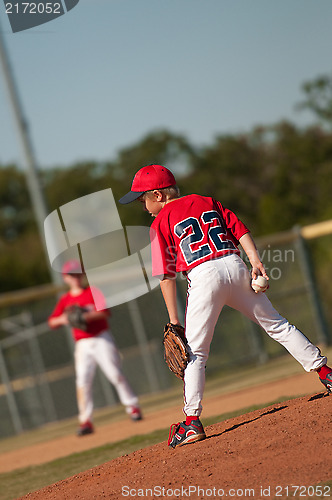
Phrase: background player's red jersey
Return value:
(84, 299)
(191, 230)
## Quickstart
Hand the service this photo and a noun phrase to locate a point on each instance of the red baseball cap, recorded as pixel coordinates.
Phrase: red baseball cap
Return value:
(146, 179)
(72, 267)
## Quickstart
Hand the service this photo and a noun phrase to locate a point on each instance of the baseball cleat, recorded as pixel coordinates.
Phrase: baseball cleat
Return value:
(327, 381)
(181, 434)
(84, 429)
(135, 414)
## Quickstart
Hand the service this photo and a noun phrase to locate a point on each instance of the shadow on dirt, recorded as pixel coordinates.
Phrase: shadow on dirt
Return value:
(319, 396)
(269, 412)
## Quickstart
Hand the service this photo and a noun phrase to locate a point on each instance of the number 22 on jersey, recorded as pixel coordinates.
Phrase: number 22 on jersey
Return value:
(192, 231)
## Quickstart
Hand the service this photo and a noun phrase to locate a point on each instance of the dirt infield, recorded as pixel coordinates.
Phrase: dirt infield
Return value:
(263, 454)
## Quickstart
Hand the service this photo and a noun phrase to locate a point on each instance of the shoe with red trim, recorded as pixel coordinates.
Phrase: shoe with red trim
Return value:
(181, 434)
(84, 429)
(135, 414)
(327, 381)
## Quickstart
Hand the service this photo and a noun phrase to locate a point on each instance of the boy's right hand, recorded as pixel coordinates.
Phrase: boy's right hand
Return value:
(57, 321)
(258, 270)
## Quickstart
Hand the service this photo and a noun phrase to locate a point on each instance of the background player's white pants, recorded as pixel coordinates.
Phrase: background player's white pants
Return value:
(99, 350)
(226, 281)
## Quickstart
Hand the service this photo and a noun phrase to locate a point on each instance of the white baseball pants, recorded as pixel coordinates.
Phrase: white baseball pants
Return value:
(99, 350)
(226, 281)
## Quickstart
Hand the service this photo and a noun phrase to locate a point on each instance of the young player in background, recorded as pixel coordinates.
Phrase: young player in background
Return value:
(93, 345)
(199, 237)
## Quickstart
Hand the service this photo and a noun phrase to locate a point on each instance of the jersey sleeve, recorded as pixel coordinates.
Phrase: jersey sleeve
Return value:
(234, 225)
(59, 308)
(163, 253)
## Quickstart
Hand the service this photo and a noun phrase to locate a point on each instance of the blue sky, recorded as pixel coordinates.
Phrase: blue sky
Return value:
(109, 71)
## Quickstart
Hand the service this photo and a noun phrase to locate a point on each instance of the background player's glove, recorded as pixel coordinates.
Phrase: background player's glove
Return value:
(75, 317)
(175, 349)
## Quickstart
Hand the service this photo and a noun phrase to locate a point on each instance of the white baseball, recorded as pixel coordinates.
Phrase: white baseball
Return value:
(260, 284)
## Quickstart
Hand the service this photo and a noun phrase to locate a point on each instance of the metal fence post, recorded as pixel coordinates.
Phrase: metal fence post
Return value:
(323, 333)
(16, 419)
(39, 368)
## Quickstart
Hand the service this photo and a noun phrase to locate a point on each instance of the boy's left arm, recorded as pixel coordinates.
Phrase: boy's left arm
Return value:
(168, 289)
(58, 317)
(250, 249)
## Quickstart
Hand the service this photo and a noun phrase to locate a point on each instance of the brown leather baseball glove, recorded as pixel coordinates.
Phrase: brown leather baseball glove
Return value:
(176, 352)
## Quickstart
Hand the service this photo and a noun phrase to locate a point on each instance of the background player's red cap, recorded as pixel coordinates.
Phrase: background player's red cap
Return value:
(149, 178)
(72, 267)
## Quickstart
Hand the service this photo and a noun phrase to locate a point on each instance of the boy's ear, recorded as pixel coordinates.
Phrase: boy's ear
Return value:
(159, 196)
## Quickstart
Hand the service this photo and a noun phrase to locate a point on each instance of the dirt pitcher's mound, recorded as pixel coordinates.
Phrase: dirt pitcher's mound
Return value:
(277, 451)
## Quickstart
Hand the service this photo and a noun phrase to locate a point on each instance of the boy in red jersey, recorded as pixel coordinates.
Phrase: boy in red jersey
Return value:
(94, 345)
(199, 237)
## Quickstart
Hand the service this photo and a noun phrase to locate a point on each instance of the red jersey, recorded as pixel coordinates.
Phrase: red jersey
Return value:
(85, 299)
(191, 230)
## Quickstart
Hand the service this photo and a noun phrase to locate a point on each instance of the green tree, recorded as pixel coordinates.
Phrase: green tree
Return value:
(274, 177)
(63, 185)
(231, 171)
(297, 171)
(318, 99)
(23, 262)
(162, 147)
(16, 215)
